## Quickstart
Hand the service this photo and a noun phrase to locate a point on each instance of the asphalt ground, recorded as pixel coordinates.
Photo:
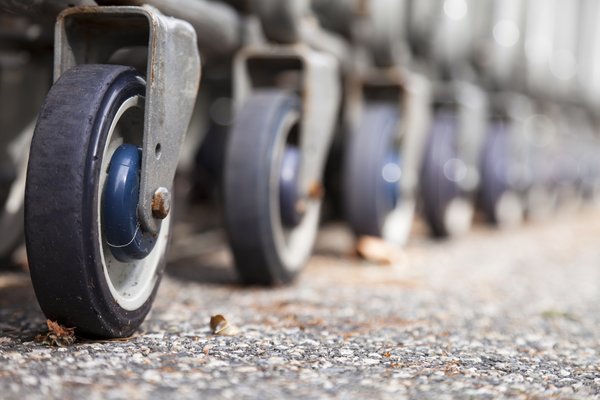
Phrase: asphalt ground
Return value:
(494, 314)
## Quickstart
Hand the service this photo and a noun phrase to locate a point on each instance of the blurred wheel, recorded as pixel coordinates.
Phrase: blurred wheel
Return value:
(373, 200)
(447, 209)
(271, 226)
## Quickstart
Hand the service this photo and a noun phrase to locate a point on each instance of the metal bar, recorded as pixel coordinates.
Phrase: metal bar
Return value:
(281, 19)
(319, 39)
(218, 26)
(47, 9)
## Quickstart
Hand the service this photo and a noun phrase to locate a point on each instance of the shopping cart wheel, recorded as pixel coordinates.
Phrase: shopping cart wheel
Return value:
(373, 202)
(271, 226)
(447, 209)
(500, 203)
(92, 265)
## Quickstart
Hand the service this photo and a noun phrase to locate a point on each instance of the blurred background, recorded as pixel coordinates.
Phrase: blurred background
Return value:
(449, 111)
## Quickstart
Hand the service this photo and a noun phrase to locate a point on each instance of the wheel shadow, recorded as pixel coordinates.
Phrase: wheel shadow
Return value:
(202, 258)
(203, 270)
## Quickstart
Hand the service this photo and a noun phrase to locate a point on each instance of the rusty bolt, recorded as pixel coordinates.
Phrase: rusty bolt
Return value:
(161, 203)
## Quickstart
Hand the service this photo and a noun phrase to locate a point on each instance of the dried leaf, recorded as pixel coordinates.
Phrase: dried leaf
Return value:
(60, 330)
(378, 251)
(57, 335)
(220, 326)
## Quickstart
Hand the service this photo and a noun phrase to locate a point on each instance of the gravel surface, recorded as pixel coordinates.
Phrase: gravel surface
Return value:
(512, 314)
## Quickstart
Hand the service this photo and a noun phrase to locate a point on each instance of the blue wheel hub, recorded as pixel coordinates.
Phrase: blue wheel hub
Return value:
(289, 194)
(122, 231)
(391, 174)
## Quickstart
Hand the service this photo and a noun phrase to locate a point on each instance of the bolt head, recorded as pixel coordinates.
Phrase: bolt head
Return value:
(161, 203)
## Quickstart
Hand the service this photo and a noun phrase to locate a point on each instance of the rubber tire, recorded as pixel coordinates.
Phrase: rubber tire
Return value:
(249, 164)
(61, 200)
(437, 191)
(366, 200)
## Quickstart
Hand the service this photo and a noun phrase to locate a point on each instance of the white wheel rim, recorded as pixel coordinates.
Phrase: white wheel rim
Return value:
(509, 210)
(458, 216)
(293, 245)
(398, 223)
(130, 283)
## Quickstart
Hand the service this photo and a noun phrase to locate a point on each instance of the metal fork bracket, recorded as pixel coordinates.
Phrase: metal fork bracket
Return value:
(311, 74)
(411, 92)
(281, 20)
(92, 35)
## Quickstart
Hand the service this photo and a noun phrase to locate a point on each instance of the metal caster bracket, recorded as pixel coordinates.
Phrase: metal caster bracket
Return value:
(314, 76)
(91, 35)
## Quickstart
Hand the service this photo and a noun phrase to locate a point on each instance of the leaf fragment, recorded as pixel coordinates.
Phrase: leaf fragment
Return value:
(220, 326)
(57, 335)
(378, 251)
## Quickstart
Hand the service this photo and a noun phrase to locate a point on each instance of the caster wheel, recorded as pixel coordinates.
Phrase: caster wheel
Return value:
(448, 211)
(271, 227)
(500, 203)
(92, 265)
(373, 201)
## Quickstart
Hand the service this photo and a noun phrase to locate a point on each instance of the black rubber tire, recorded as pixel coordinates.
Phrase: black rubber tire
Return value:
(366, 204)
(253, 148)
(437, 191)
(61, 197)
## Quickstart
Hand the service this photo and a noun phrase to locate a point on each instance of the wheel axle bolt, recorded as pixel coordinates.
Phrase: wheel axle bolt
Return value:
(161, 203)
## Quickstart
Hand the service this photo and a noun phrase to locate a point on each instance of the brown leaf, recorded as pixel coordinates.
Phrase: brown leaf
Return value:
(220, 326)
(57, 335)
(60, 330)
(378, 251)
